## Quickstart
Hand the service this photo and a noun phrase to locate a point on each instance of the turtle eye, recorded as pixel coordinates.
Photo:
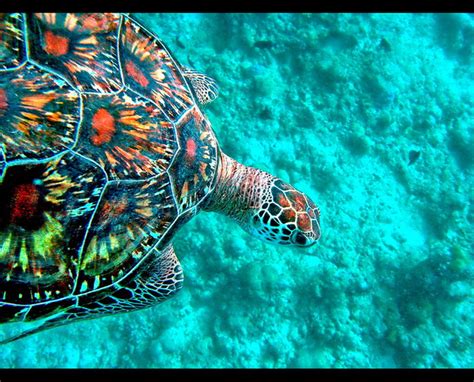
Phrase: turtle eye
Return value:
(299, 238)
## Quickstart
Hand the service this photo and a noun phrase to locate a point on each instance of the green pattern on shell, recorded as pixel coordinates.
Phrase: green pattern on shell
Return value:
(104, 155)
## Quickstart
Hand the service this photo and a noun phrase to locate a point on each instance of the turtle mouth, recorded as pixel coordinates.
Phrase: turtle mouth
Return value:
(301, 240)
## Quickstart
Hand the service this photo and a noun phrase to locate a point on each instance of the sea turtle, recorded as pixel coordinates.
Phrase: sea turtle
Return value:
(104, 154)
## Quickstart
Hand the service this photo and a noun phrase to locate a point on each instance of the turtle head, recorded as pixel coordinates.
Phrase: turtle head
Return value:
(286, 216)
(263, 205)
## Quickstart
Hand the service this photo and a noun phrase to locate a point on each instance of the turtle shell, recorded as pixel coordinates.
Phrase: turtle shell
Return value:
(104, 153)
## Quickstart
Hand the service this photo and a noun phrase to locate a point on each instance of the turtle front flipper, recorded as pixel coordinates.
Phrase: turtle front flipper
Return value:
(204, 87)
(155, 282)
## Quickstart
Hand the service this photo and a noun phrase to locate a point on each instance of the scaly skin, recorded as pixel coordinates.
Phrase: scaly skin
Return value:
(264, 205)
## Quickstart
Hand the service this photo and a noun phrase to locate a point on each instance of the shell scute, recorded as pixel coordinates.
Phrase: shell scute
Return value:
(82, 47)
(39, 113)
(130, 220)
(193, 169)
(47, 207)
(127, 135)
(149, 69)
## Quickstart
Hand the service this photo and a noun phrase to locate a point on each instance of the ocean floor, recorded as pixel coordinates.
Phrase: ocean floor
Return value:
(373, 117)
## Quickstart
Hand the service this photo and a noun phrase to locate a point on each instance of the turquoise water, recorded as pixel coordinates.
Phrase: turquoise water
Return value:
(339, 105)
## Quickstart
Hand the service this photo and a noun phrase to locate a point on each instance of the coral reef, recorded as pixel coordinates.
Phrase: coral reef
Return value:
(333, 103)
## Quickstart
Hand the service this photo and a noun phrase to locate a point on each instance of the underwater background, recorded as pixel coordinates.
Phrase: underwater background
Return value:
(371, 115)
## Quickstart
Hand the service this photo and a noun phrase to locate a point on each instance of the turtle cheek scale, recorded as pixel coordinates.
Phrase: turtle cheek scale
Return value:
(272, 229)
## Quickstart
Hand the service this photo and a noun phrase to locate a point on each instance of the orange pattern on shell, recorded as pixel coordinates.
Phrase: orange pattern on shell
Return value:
(55, 45)
(3, 100)
(191, 149)
(136, 74)
(104, 125)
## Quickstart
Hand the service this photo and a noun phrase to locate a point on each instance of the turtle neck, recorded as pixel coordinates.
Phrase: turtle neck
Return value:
(238, 189)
